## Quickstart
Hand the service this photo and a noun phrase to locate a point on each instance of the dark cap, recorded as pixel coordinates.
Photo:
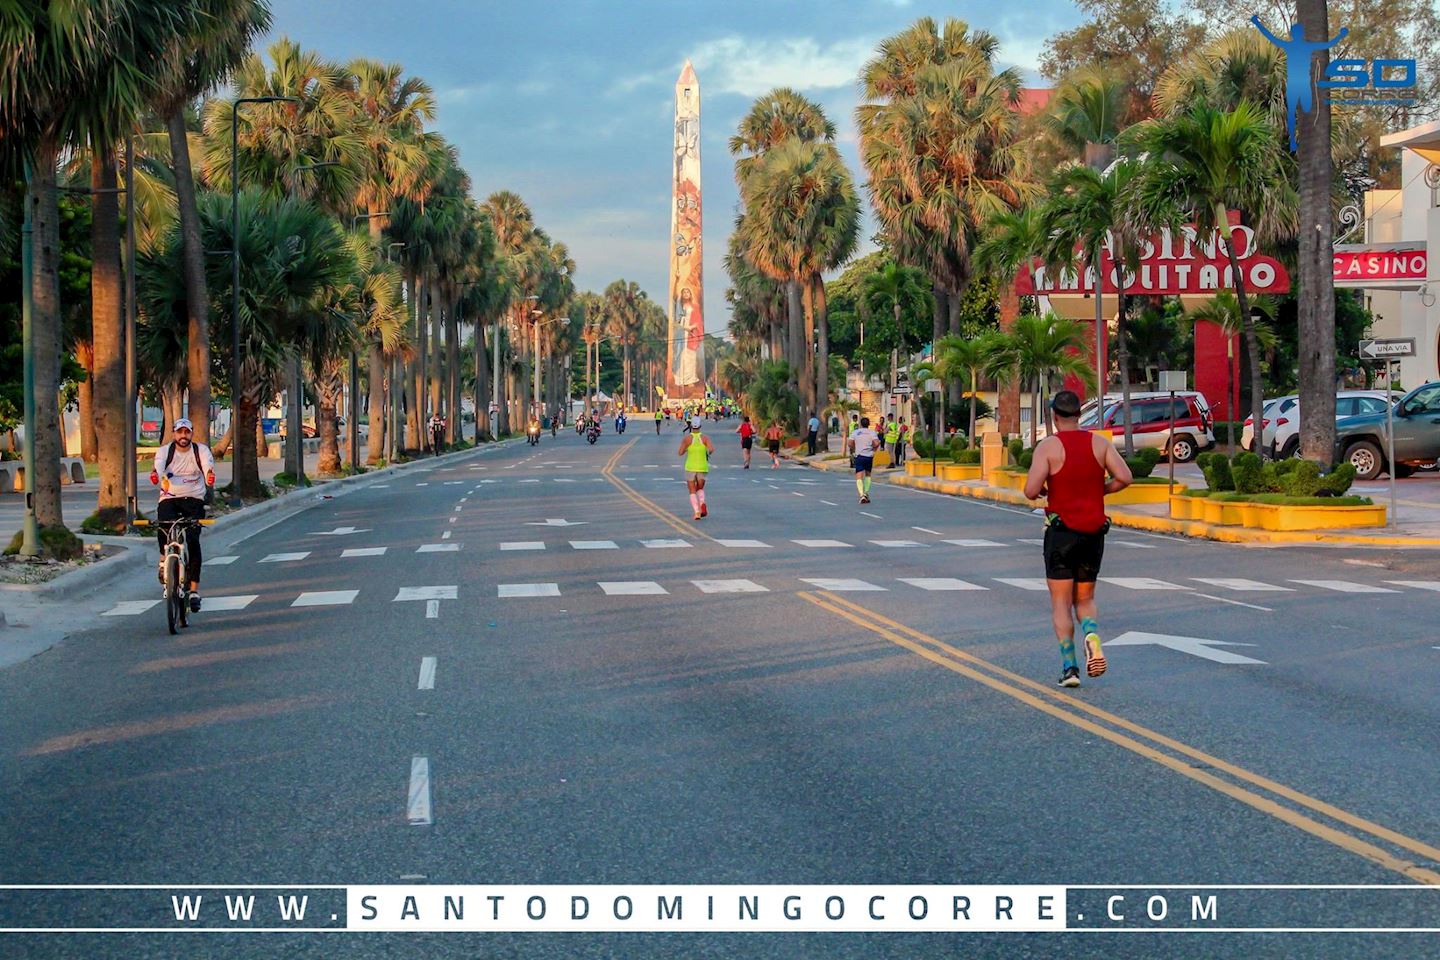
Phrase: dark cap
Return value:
(1065, 404)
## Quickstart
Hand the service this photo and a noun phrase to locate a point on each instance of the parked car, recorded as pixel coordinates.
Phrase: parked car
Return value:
(1282, 437)
(1361, 439)
(1150, 415)
(1267, 425)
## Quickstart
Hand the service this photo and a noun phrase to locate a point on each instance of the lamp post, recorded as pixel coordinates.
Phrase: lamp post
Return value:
(392, 411)
(535, 360)
(235, 288)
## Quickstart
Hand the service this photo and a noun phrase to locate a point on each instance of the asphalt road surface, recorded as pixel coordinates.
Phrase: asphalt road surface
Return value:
(533, 667)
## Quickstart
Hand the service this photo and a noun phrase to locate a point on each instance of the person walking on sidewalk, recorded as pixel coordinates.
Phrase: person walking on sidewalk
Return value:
(747, 438)
(862, 444)
(812, 432)
(901, 442)
(1074, 469)
(697, 450)
(772, 442)
(892, 440)
(437, 433)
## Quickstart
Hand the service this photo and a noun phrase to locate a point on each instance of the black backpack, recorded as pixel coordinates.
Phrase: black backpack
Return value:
(195, 449)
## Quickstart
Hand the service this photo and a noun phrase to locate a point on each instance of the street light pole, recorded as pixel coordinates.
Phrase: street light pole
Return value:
(294, 433)
(30, 528)
(131, 481)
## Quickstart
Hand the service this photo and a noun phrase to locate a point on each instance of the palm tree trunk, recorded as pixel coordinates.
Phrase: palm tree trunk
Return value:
(45, 334)
(436, 364)
(1252, 342)
(327, 428)
(375, 442)
(107, 331)
(956, 300)
(822, 362)
(453, 428)
(795, 327)
(482, 385)
(197, 302)
(246, 462)
(1123, 356)
(85, 397)
(171, 397)
(807, 360)
(940, 313)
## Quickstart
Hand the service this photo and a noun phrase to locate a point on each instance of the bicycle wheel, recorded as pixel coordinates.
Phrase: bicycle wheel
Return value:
(174, 610)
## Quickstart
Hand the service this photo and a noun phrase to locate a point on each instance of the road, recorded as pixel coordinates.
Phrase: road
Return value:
(796, 689)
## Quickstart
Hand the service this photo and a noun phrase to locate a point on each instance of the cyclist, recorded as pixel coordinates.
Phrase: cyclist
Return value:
(183, 469)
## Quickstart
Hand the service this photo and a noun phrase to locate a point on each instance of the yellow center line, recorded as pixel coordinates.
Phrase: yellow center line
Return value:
(608, 472)
(1066, 709)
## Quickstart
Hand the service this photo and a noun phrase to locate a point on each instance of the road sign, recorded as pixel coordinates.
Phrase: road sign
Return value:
(933, 385)
(901, 390)
(1384, 349)
(1195, 646)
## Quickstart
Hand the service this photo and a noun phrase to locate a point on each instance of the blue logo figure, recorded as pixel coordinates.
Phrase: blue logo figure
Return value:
(1299, 93)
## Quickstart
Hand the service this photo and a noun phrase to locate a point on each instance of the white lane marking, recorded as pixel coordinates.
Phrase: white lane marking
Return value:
(1237, 603)
(631, 588)
(1365, 563)
(219, 561)
(839, 584)
(1142, 583)
(240, 602)
(531, 480)
(425, 484)
(379, 486)
(1417, 584)
(463, 499)
(796, 493)
(284, 557)
(729, 586)
(1132, 543)
(926, 530)
(830, 503)
(453, 483)
(869, 514)
(511, 590)
(427, 673)
(561, 480)
(445, 535)
(665, 544)
(594, 545)
(418, 807)
(523, 545)
(437, 548)
(821, 543)
(744, 543)
(130, 608)
(896, 543)
(457, 508)
(432, 609)
(772, 486)
(325, 598)
(427, 593)
(1031, 540)
(363, 552)
(974, 543)
(1345, 586)
(1243, 585)
(1024, 583)
(941, 583)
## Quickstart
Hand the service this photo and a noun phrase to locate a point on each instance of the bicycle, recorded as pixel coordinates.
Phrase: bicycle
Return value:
(173, 562)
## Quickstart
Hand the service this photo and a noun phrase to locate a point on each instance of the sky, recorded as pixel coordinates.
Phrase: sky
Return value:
(570, 103)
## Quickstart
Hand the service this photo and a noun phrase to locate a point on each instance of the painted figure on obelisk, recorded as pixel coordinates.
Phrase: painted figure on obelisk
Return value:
(686, 373)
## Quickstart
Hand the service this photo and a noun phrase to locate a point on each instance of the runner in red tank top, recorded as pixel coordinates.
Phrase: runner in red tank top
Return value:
(1070, 470)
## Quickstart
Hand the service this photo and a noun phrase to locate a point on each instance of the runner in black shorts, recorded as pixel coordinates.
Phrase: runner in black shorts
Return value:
(1070, 470)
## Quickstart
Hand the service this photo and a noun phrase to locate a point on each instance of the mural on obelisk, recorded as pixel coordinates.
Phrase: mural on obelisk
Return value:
(686, 369)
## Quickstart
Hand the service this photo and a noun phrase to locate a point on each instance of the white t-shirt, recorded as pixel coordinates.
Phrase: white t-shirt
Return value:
(186, 476)
(866, 441)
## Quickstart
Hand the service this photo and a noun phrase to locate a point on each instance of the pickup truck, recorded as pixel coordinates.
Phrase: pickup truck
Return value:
(1361, 440)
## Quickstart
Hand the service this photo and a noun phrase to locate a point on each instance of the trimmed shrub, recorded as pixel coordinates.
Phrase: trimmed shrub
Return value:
(1143, 463)
(1248, 473)
(1016, 448)
(1216, 467)
(968, 457)
(1026, 458)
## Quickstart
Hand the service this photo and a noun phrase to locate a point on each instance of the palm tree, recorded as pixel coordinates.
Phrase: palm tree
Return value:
(1223, 310)
(1086, 114)
(774, 118)
(1202, 164)
(1012, 239)
(955, 358)
(888, 291)
(205, 56)
(1037, 351)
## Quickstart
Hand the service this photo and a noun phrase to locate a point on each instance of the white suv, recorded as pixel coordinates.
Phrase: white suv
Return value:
(1151, 415)
(1285, 441)
(1267, 423)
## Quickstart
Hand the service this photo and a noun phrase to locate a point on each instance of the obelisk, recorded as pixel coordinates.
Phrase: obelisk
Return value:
(685, 374)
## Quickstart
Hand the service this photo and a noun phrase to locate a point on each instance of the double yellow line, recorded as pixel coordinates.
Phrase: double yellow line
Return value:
(1156, 747)
(680, 526)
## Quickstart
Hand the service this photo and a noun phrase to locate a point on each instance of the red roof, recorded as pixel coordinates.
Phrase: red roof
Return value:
(1034, 99)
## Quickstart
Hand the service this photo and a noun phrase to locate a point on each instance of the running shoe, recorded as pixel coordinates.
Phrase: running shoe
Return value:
(1070, 678)
(864, 499)
(705, 512)
(697, 516)
(194, 601)
(1094, 659)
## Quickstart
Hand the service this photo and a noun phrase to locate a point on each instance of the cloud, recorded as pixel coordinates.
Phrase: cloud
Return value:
(750, 67)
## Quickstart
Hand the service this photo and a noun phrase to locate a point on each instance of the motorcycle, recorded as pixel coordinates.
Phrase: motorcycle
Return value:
(580, 427)
(593, 433)
(533, 434)
(620, 425)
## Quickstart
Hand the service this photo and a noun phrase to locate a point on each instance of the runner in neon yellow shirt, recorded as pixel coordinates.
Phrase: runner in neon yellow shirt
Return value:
(697, 450)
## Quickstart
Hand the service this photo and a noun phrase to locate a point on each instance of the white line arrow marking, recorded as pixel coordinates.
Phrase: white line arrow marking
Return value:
(1195, 646)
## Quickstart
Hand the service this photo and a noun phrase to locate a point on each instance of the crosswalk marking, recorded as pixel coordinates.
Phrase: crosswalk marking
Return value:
(744, 543)
(665, 544)
(1345, 586)
(438, 548)
(510, 590)
(284, 557)
(422, 484)
(594, 545)
(363, 552)
(1142, 583)
(523, 545)
(1132, 543)
(629, 588)
(1024, 583)
(840, 584)
(1243, 585)
(896, 543)
(1032, 540)
(821, 543)
(1417, 584)
(453, 483)
(427, 673)
(130, 608)
(219, 561)
(427, 593)
(379, 486)
(729, 586)
(941, 583)
(972, 543)
(417, 807)
(325, 598)
(218, 604)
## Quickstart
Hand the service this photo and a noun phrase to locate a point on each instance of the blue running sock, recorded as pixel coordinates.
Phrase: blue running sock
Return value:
(1088, 626)
(1067, 653)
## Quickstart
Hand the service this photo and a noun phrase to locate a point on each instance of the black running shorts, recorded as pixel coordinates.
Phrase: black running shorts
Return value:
(1072, 555)
(864, 464)
(774, 446)
(746, 442)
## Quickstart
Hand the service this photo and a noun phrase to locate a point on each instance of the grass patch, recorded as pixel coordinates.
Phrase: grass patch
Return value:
(56, 543)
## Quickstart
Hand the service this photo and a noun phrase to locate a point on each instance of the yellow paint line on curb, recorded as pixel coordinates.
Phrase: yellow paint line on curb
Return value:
(1068, 710)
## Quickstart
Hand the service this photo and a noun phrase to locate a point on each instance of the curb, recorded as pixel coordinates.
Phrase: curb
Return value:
(90, 577)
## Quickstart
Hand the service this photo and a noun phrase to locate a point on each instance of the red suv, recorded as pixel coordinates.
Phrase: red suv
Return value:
(1150, 413)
